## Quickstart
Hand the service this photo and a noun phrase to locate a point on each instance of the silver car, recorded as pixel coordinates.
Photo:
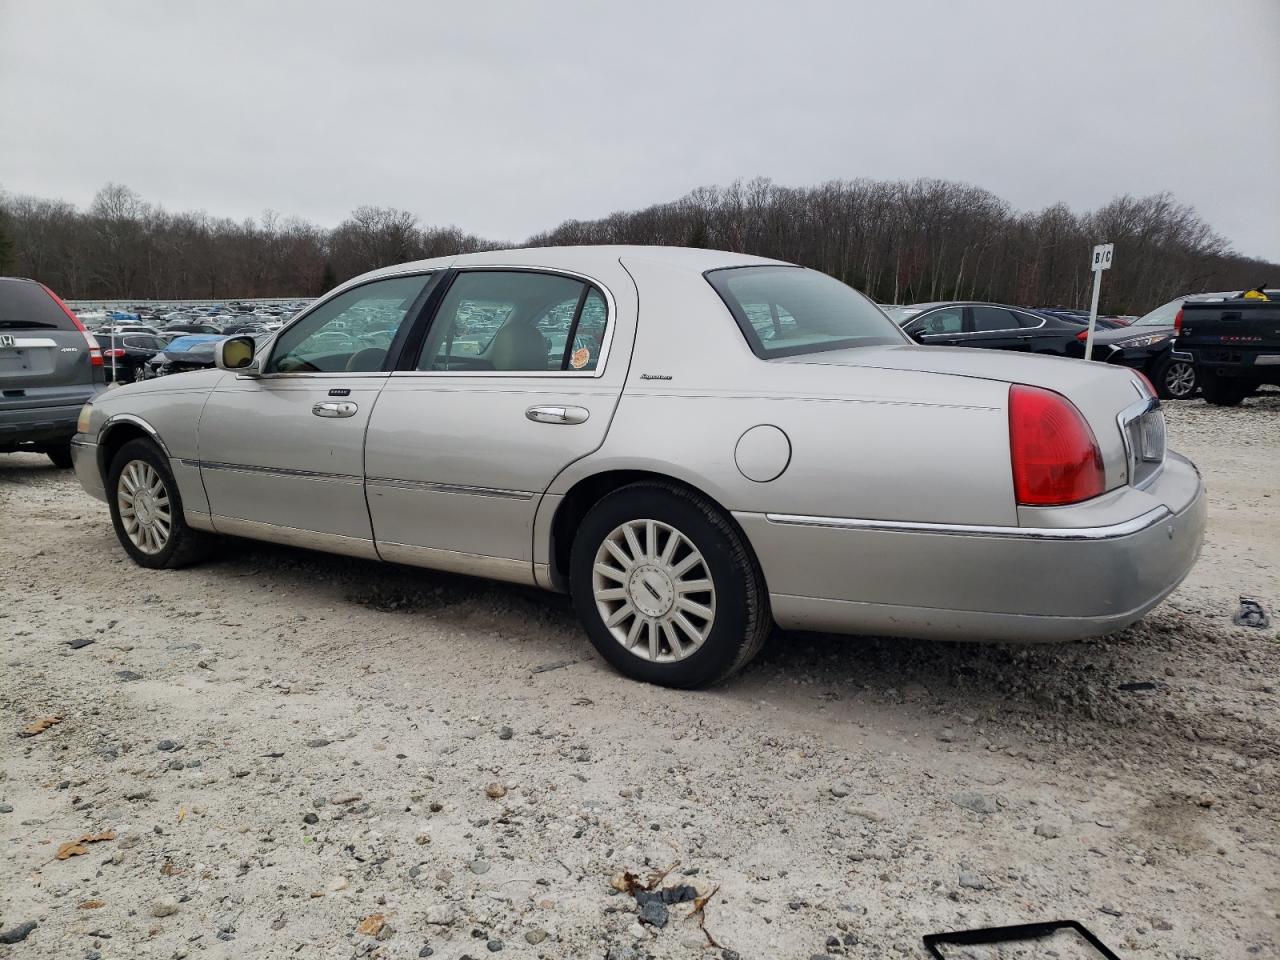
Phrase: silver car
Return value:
(695, 445)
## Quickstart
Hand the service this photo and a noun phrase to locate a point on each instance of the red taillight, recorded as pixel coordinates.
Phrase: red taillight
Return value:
(95, 352)
(1055, 456)
(1177, 323)
(116, 352)
(1082, 336)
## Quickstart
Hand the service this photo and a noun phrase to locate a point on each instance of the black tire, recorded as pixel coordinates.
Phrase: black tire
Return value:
(1175, 379)
(742, 620)
(60, 455)
(184, 545)
(1223, 391)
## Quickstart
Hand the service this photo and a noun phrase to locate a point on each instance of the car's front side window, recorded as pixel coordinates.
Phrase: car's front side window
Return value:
(350, 333)
(947, 320)
(516, 321)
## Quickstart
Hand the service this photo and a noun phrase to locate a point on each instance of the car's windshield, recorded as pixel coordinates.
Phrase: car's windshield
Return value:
(785, 311)
(1161, 316)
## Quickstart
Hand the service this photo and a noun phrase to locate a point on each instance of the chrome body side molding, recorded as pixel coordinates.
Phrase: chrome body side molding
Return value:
(1127, 528)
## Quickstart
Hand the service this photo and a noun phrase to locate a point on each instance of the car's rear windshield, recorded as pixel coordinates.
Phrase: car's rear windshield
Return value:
(26, 306)
(784, 311)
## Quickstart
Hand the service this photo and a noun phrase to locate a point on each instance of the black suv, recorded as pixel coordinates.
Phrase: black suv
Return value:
(49, 368)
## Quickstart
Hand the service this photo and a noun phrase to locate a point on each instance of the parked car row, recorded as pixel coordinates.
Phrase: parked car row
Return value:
(1147, 344)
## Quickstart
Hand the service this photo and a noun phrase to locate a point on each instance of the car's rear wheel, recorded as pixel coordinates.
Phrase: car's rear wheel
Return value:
(667, 587)
(1175, 379)
(146, 509)
(60, 455)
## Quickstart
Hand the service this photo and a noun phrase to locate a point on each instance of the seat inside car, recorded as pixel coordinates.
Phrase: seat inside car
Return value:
(518, 346)
(368, 360)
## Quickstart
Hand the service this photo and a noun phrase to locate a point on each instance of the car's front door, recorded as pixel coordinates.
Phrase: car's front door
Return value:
(513, 382)
(282, 453)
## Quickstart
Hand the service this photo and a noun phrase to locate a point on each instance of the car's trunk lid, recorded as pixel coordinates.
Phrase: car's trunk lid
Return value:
(1107, 395)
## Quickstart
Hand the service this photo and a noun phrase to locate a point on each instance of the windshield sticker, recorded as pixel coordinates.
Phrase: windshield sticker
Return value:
(581, 357)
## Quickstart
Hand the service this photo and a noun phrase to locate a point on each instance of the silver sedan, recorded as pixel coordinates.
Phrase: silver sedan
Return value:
(695, 445)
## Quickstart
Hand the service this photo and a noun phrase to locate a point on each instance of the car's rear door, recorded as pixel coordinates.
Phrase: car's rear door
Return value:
(995, 328)
(46, 359)
(518, 376)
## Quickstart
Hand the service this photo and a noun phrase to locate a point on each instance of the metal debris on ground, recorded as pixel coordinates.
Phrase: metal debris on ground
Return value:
(1020, 934)
(1251, 614)
(1137, 686)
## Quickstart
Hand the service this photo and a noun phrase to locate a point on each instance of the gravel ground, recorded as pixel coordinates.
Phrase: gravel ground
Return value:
(291, 754)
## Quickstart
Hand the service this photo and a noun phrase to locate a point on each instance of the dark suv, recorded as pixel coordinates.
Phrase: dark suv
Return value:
(49, 367)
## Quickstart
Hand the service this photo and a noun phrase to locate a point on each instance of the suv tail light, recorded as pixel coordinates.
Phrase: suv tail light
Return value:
(1083, 335)
(95, 352)
(116, 352)
(1177, 323)
(1055, 455)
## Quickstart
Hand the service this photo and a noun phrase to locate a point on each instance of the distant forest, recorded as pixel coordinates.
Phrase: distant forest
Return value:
(899, 242)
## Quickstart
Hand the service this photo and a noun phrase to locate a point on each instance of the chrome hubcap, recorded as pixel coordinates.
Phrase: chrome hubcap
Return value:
(1181, 379)
(144, 506)
(654, 591)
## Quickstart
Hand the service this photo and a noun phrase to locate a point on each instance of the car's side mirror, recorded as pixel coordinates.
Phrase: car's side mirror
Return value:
(236, 354)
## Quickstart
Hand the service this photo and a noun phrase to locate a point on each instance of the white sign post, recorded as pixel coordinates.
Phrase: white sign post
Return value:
(1102, 254)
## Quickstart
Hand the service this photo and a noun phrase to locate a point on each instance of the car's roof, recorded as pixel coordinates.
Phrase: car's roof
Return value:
(586, 259)
(966, 303)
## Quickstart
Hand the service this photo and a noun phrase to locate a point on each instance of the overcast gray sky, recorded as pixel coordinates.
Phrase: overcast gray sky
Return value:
(506, 118)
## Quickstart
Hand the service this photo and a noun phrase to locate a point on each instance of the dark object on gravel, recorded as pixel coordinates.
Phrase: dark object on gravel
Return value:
(1018, 933)
(19, 933)
(1137, 686)
(79, 642)
(654, 912)
(1251, 614)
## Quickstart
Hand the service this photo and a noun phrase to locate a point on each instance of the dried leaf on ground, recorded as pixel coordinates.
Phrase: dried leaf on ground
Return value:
(39, 725)
(91, 905)
(74, 848)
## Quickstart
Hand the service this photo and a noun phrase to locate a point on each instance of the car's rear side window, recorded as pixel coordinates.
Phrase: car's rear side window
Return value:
(26, 306)
(784, 311)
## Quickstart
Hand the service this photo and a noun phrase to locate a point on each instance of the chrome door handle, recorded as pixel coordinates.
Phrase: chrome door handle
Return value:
(342, 408)
(557, 414)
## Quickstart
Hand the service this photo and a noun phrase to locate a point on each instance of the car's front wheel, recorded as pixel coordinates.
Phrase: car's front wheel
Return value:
(146, 509)
(667, 587)
(1175, 379)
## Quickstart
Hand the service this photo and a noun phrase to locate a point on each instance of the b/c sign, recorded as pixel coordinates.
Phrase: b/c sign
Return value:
(1102, 256)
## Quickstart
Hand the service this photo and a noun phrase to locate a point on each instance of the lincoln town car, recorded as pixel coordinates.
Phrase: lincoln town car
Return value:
(696, 446)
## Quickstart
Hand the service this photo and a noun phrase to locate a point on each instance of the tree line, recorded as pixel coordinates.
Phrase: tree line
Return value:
(899, 242)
